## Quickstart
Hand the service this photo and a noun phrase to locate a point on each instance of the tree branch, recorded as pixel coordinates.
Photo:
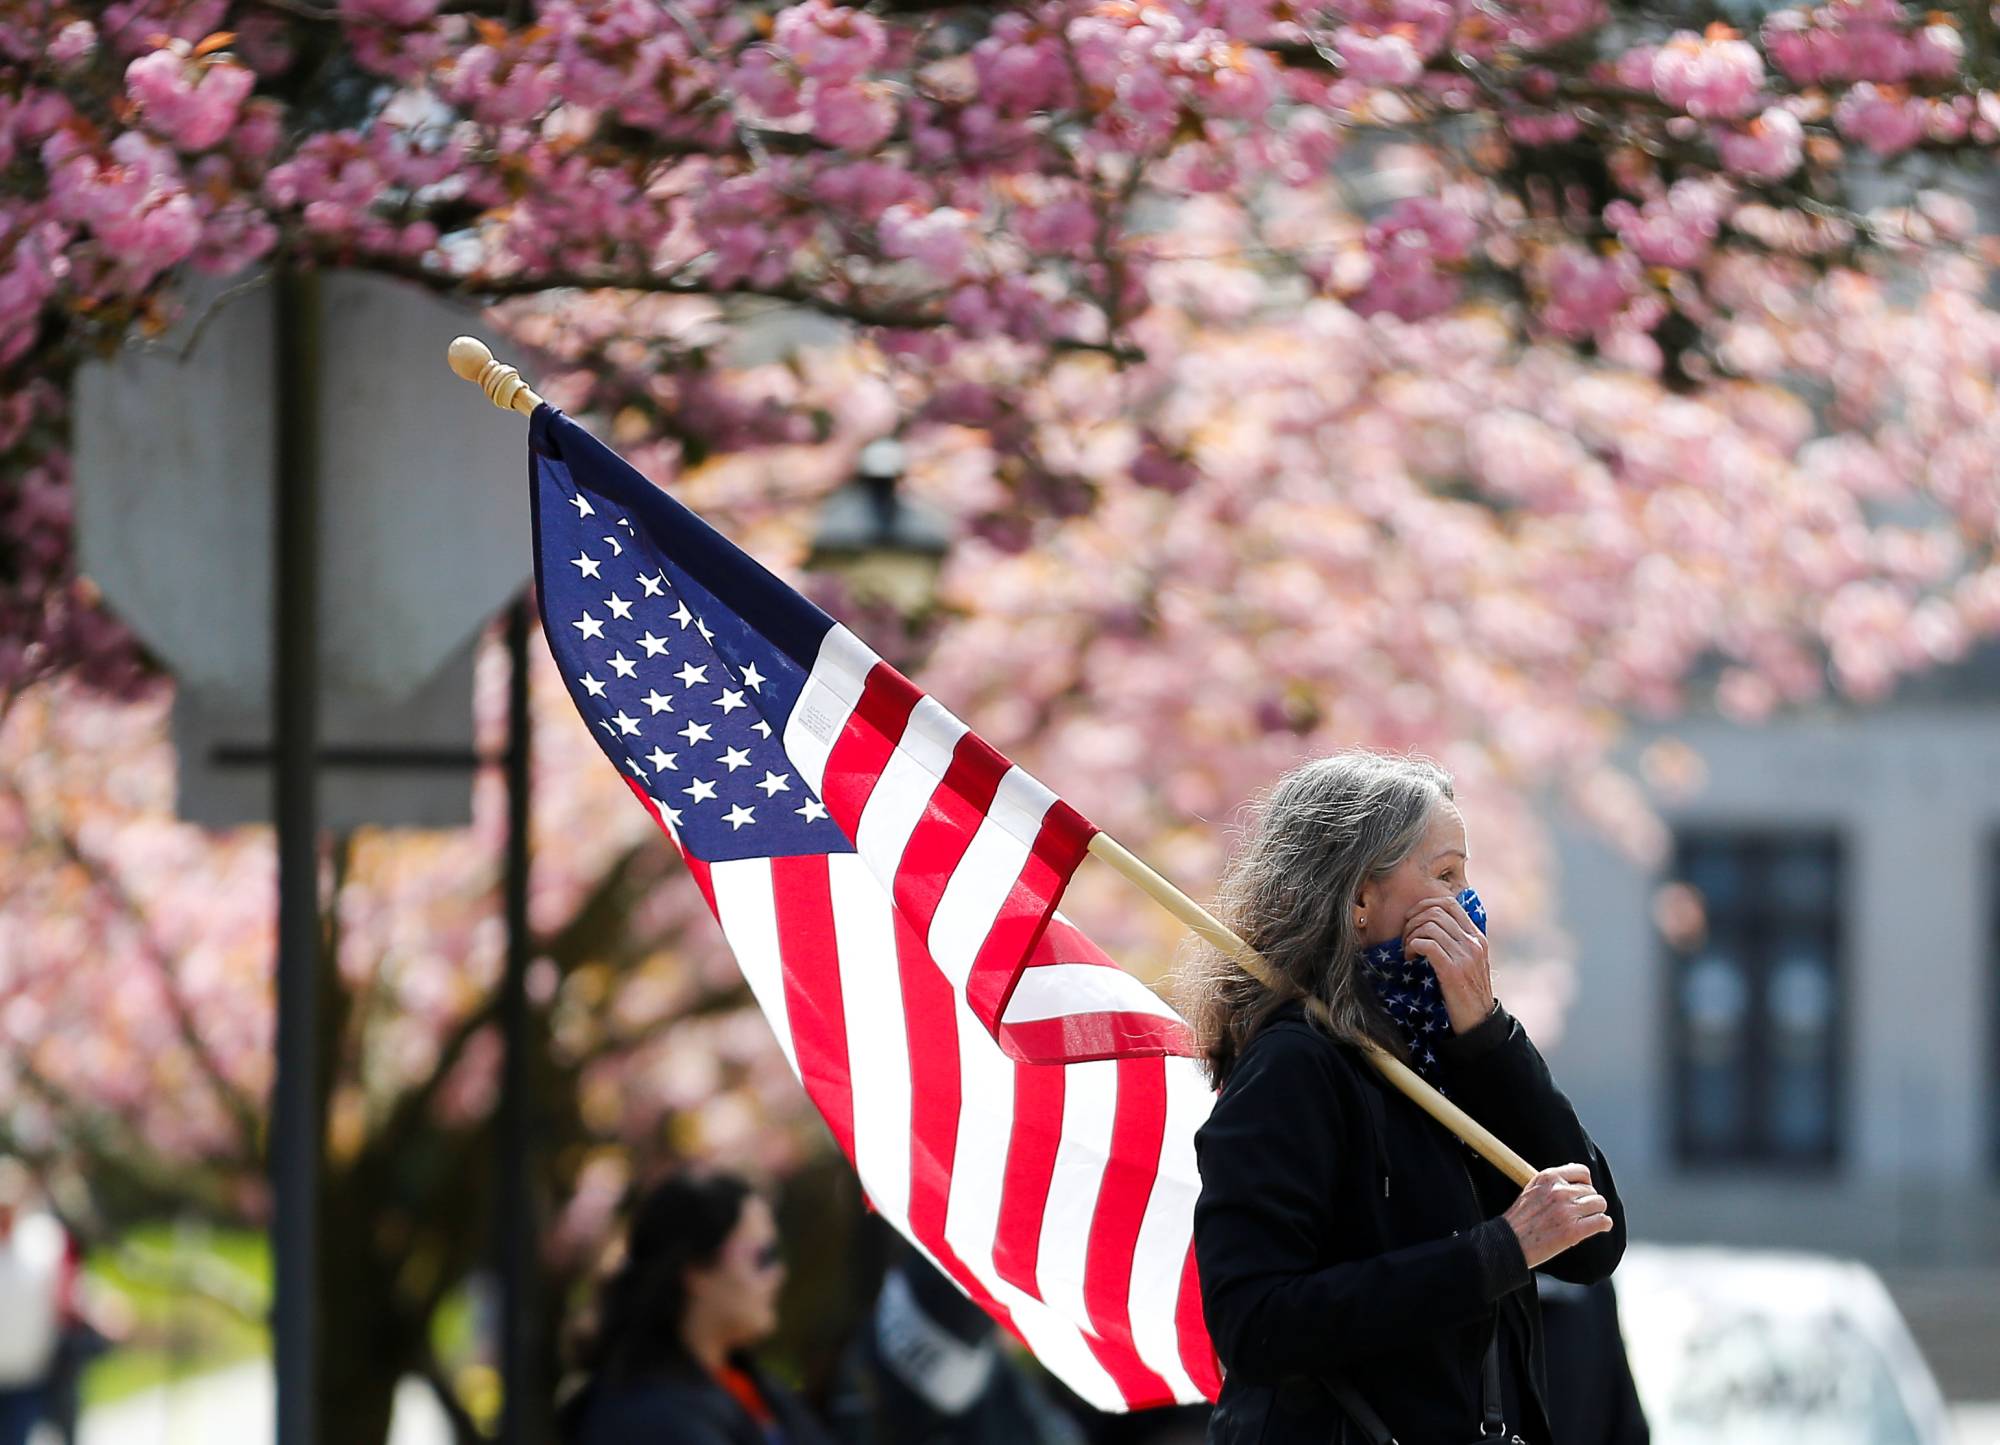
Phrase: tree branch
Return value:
(242, 1110)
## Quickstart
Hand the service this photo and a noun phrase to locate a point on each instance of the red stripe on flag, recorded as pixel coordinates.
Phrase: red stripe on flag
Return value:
(1031, 1164)
(803, 900)
(1137, 1127)
(1079, 1038)
(930, 1023)
(1059, 846)
(945, 831)
(1197, 1353)
(862, 750)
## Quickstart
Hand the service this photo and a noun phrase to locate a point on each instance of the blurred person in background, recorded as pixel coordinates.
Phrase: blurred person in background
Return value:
(38, 1270)
(1592, 1399)
(667, 1361)
(927, 1368)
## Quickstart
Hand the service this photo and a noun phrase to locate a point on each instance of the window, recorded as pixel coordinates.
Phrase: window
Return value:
(1755, 1003)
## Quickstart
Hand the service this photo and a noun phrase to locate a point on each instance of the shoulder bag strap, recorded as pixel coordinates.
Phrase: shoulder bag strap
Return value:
(1493, 1423)
(1359, 1412)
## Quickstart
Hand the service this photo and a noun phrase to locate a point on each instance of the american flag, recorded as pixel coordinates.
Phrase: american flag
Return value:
(1018, 1106)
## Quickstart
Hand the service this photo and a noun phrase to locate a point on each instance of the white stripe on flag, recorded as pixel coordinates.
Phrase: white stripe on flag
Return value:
(903, 791)
(1166, 1228)
(986, 875)
(825, 703)
(748, 913)
(972, 1217)
(878, 1054)
(1057, 990)
(1090, 1103)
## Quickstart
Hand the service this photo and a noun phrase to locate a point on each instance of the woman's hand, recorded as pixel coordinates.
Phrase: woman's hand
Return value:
(1559, 1208)
(1440, 931)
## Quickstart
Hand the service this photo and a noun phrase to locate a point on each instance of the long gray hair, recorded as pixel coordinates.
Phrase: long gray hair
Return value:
(1289, 892)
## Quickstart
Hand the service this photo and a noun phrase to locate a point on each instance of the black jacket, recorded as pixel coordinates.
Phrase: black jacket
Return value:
(685, 1407)
(1593, 1399)
(1340, 1227)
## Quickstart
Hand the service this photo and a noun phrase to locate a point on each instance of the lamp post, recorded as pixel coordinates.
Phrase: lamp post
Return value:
(883, 547)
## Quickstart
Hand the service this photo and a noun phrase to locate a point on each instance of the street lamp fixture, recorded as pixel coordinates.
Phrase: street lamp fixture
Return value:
(886, 549)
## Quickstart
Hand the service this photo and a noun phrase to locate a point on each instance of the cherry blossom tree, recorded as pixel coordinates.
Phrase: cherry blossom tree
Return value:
(1468, 375)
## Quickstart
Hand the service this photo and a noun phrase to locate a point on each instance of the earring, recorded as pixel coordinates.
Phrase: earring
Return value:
(1362, 921)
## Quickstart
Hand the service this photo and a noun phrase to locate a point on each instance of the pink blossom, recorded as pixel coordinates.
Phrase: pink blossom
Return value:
(1883, 119)
(833, 44)
(1241, 82)
(1767, 148)
(74, 42)
(936, 240)
(1676, 229)
(191, 103)
(1543, 128)
(135, 203)
(1408, 247)
(864, 189)
(1531, 25)
(853, 117)
(1020, 68)
(1583, 293)
(1377, 59)
(406, 14)
(1713, 77)
(1064, 226)
(767, 83)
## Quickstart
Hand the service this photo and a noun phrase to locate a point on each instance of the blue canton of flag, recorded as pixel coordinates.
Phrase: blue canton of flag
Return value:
(686, 696)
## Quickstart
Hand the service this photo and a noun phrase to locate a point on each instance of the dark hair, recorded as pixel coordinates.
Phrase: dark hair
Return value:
(680, 1222)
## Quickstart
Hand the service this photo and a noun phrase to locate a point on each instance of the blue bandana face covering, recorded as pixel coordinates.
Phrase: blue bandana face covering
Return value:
(1408, 988)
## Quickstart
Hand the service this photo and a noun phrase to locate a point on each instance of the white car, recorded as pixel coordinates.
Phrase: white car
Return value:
(1756, 1347)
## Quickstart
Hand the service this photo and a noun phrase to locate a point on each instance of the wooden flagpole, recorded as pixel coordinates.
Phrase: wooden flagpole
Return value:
(1407, 1080)
(473, 360)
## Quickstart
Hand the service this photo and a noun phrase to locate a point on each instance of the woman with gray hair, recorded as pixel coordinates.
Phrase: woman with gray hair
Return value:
(1364, 1275)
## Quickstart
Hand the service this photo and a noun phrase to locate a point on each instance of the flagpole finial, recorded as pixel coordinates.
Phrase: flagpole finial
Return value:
(472, 359)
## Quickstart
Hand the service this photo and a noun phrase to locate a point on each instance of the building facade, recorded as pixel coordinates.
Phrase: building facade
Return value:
(1818, 1067)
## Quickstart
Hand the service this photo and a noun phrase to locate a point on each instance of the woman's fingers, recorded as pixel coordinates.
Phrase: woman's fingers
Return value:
(1443, 917)
(1461, 932)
